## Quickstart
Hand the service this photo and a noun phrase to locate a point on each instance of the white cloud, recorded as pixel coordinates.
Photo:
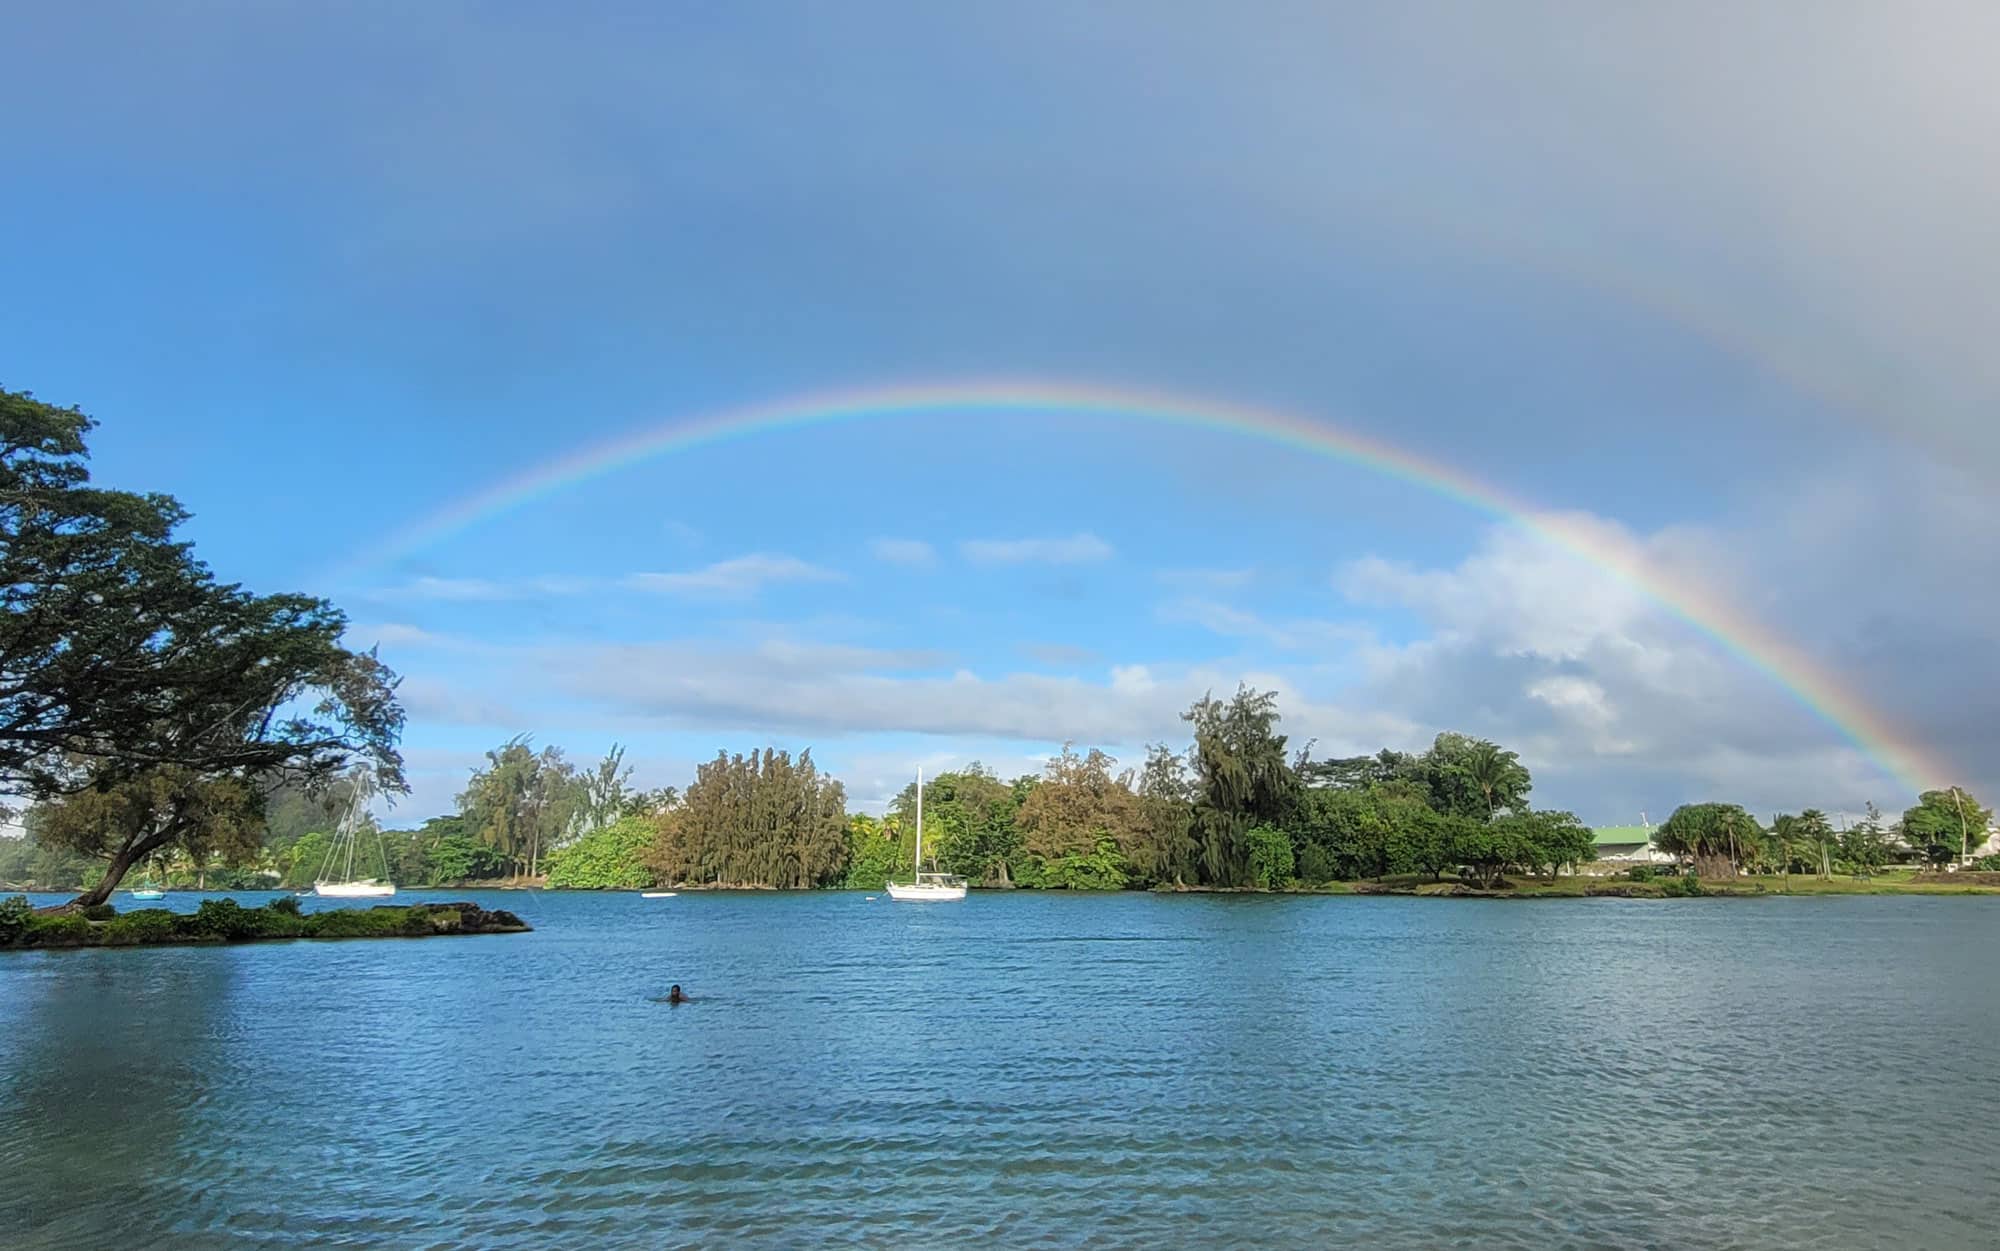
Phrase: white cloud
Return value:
(472, 590)
(903, 551)
(438, 701)
(736, 577)
(1293, 634)
(1077, 549)
(390, 634)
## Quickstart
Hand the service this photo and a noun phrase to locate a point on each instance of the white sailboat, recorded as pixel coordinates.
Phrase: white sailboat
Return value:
(928, 887)
(146, 889)
(341, 854)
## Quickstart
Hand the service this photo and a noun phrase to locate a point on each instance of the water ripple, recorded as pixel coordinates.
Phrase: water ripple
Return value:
(1022, 1070)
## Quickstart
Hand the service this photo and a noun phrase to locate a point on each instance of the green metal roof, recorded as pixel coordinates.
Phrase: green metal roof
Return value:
(1611, 835)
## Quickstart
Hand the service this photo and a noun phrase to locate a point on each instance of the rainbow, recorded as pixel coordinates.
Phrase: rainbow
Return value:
(1750, 642)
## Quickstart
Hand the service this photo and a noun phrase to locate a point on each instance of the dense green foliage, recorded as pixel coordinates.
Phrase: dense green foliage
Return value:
(148, 705)
(226, 921)
(971, 825)
(1719, 838)
(1271, 859)
(523, 802)
(755, 820)
(1946, 824)
(611, 858)
(873, 852)
(1241, 779)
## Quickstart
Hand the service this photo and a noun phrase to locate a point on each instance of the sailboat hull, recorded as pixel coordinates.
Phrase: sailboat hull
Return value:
(925, 893)
(142, 893)
(353, 890)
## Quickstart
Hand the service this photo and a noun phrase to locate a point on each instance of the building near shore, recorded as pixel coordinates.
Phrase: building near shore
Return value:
(1622, 846)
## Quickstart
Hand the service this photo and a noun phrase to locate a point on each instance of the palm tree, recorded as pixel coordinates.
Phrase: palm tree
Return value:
(1817, 832)
(1715, 836)
(1498, 773)
(1784, 841)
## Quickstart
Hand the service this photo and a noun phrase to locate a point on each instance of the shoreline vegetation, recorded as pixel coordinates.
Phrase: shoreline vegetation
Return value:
(226, 921)
(167, 725)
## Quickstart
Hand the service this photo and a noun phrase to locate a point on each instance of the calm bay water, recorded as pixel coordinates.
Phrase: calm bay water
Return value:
(1125, 1071)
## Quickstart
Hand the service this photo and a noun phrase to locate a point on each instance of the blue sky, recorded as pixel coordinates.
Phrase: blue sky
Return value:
(321, 272)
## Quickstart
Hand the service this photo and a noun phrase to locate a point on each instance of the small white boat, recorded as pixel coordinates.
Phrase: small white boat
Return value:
(928, 887)
(658, 894)
(146, 890)
(341, 853)
(366, 888)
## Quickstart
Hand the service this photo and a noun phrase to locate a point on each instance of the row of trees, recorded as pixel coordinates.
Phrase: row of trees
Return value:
(145, 704)
(1722, 840)
(1233, 809)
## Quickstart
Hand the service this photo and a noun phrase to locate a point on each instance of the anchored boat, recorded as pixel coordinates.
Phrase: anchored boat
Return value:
(340, 855)
(928, 887)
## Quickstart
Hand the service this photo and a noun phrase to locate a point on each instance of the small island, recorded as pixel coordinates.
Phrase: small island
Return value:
(226, 921)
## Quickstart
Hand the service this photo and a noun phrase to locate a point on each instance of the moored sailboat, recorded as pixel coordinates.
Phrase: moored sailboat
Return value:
(928, 887)
(146, 890)
(341, 854)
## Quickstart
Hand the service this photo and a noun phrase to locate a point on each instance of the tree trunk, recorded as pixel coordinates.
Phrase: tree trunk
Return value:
(113, 874)
(1714, 865)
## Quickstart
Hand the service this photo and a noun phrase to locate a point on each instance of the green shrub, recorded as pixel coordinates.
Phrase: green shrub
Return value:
(67, 930)
(15, 914)
(222, 919)
(1687, 885)
(148, 925)
(612, 858)
(1316, 864)
(1641, 873)
(287, 904)
(99, 912)
(1102, 869)
(1270, 856)
(1987, 864)
(368, 922)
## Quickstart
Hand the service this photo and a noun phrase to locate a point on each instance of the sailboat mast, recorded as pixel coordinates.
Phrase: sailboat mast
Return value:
(920, 821)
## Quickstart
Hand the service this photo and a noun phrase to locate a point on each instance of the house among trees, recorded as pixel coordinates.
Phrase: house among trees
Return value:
(1619, 847)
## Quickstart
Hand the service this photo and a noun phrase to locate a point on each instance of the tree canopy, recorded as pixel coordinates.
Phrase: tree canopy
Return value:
(755, 820)
(1946, 824)
(1718, 837)
(147, 703)
(1241, 778)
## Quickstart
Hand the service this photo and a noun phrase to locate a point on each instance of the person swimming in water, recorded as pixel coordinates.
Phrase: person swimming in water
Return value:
(674, 995)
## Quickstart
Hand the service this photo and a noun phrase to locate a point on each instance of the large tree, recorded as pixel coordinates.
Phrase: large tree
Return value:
(1163, 844)
(145, 703)
(1946, 824)
(969, 823)
(1078, 803)
(1471, 777)
(1359, 772)
(1242, 778)
(1816, 833)
(522, 803)
(1718, 837)
(766, 819)
(604, 793)
(115, 640)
